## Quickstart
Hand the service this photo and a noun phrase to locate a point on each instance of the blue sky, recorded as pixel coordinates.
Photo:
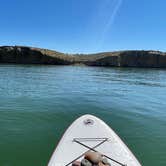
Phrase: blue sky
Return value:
(84, 26)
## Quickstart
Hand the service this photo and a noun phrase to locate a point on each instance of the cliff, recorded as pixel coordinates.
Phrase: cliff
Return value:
(30, 55)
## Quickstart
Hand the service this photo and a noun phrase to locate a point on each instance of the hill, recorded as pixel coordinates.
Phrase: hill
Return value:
(31, 55)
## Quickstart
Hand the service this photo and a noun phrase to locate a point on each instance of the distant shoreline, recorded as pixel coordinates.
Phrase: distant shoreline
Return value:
(133, 58)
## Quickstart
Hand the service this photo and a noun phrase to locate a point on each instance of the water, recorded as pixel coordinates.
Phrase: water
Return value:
(37, 103)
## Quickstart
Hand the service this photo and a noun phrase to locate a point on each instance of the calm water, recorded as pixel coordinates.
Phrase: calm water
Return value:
(37, 103)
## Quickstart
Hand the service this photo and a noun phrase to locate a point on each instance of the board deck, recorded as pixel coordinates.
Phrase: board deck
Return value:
(89, 132)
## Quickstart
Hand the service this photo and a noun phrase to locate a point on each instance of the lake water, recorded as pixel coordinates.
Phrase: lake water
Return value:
(37, 103)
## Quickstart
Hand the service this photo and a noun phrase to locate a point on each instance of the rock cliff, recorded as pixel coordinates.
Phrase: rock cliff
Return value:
(30, 55)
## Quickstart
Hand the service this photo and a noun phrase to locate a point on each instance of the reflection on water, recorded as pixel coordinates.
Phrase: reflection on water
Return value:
(37, 103)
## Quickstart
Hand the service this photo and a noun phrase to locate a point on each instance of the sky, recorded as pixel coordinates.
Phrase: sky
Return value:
(84, 26)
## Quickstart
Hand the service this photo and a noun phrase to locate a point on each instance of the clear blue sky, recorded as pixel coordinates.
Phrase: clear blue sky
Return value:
(84, 25)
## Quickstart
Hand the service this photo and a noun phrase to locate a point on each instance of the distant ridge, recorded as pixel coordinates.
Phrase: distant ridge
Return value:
(32, 55)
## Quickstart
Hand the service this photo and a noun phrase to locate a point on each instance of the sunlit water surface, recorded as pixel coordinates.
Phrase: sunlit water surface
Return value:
(37, 103)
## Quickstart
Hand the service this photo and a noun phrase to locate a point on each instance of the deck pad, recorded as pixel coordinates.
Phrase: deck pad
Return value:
(90, 133)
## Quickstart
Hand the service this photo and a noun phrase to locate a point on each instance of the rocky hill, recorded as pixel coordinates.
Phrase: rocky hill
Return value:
(30, 55)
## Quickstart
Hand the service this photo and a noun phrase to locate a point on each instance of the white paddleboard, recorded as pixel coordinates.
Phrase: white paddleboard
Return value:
(89, 132)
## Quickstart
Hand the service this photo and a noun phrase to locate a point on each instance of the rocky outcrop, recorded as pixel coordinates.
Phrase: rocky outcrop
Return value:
(154, 59)
(30, 55)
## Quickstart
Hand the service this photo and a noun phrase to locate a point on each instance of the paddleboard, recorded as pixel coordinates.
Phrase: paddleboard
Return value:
(89, 133)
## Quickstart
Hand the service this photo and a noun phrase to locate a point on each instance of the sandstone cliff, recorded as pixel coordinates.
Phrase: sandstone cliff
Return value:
(30, 55)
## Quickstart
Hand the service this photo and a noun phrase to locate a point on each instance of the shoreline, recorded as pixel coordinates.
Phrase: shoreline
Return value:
(132, 58)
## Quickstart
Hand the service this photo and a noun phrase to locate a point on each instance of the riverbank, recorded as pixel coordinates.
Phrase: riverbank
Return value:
(133, 58)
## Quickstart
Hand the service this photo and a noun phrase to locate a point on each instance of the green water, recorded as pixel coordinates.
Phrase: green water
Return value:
(37, 103)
